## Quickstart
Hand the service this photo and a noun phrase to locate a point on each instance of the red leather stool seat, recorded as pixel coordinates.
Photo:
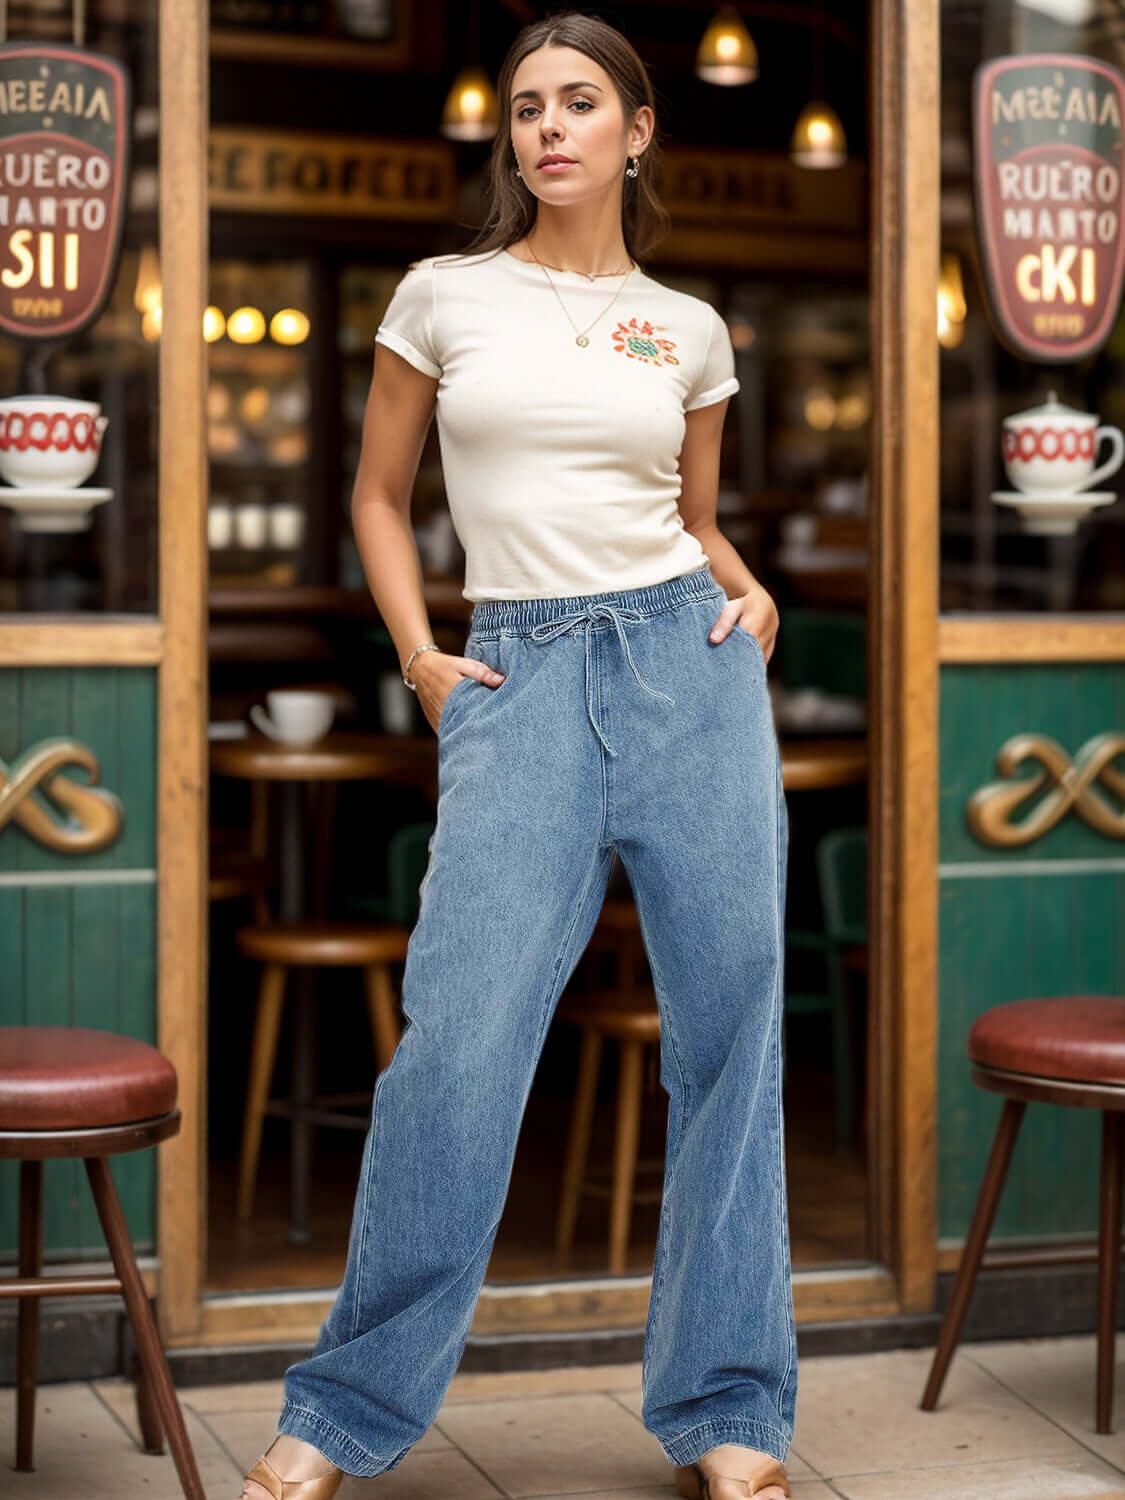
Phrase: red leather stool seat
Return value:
(74, 1078)
(1077, 1037)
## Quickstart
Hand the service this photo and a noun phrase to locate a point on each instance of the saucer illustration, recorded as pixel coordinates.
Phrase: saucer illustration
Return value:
(52, 507)
(1053, 512)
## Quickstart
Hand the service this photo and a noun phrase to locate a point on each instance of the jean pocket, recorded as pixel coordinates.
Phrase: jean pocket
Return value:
(752, 639)
(457, 691)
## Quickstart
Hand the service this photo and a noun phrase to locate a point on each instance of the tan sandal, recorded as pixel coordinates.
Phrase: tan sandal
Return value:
(694, 1483)
(321, 1487)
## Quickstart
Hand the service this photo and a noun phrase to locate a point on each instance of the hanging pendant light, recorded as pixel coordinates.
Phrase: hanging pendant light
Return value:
(471, 111)
(727, 54)
(818, 139)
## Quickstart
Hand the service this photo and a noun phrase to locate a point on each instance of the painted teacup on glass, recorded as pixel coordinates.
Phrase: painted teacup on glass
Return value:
(1052, 448)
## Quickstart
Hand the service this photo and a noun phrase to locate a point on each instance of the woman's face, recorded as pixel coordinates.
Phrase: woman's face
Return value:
(565, 104)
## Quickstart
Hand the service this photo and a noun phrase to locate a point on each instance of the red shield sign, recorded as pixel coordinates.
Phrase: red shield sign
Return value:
(64, 167)
(1050, 193)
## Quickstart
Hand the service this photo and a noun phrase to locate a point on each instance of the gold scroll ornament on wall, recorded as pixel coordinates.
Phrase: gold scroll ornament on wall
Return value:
(1080, 786)
(93, 816)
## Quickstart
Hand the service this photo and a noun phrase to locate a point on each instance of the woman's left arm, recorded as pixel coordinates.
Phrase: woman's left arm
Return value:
(750, 605)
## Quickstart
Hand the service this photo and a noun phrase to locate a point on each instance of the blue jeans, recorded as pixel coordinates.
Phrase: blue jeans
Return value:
(618, 726)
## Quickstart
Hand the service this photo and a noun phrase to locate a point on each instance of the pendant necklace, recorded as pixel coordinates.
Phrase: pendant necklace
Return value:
(581, 338)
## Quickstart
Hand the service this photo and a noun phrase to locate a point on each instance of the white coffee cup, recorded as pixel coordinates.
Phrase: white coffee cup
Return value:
(250, 525)
(220, 524)
(295, 717)
(287, 524)
(1052, 448)
(49, 440)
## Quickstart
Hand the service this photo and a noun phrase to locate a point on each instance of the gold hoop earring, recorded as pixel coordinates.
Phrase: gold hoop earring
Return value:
(635, 168)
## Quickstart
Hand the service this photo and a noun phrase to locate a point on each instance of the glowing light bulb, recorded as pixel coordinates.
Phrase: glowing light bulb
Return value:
(818, 139)
(246, 325)
(726, 53)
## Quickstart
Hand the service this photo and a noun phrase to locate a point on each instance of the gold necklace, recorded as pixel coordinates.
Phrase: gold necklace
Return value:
(580, 334)
(589, 275)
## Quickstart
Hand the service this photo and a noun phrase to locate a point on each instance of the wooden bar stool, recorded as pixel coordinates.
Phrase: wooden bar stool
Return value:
(629, 1014)
(66, 1092)
(280, 946)
(1064, 1049)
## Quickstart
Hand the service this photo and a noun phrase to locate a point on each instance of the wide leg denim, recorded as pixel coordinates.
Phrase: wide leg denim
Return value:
(619, 726)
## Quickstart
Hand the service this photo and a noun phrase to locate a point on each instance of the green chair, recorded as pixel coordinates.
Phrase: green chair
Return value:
(408, 854)
(824, 648)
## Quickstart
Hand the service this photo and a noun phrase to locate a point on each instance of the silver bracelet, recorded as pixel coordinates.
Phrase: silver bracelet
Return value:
(429, 646)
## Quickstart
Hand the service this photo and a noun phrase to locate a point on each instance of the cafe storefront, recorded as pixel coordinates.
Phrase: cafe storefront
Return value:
(900, 322)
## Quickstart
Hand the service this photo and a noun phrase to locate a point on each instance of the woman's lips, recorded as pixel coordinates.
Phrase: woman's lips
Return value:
(557, 166)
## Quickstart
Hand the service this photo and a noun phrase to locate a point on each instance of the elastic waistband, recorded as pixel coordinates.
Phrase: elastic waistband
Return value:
(521, 616)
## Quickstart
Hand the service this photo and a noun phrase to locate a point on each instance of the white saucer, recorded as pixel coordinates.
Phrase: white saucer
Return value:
(1053, 512)
(50, 507)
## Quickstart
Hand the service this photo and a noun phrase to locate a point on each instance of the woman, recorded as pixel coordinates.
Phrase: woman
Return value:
(612, 697)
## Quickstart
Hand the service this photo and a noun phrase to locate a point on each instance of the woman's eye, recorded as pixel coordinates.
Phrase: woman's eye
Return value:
(521, 114)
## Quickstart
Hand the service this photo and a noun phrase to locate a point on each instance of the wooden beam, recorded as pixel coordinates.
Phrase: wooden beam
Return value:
(66, 641)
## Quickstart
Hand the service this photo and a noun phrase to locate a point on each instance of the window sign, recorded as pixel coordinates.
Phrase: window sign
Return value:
(1047, 147)
(64, 162)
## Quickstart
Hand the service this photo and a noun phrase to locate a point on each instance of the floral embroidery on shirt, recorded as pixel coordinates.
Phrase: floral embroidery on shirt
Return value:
(636, 341)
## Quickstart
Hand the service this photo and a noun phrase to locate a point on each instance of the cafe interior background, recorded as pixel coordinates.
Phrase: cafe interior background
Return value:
(344, 142)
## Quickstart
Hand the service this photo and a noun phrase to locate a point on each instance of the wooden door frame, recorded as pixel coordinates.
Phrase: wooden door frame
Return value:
(903, 644)
(183, 692)
(903, 647)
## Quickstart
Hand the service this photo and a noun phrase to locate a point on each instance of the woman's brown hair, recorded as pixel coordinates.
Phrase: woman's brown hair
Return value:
(512, 206)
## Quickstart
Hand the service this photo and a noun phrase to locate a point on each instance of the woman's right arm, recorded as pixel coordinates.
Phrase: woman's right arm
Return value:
(400, 407)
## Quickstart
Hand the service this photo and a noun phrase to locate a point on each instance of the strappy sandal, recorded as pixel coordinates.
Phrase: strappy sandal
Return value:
(321, 1487)
(695, 1484)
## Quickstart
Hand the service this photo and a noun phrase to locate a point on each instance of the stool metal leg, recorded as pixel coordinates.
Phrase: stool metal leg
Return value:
(27, 1358)
(1109, 1253)
(989, 1196)
(144, 1327)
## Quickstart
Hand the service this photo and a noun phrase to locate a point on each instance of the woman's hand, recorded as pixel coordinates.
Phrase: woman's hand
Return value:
(754, 611)
(439, 675)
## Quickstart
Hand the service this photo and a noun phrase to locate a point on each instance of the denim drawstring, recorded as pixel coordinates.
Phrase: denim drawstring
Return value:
(548, 629)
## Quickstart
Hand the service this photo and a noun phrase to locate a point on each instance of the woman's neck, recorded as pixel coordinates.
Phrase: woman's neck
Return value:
(594, 251)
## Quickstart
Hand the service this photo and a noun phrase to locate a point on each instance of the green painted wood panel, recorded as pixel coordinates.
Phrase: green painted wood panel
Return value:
(112, 710)
(77, 945)
(1007, 929)
(982, 706)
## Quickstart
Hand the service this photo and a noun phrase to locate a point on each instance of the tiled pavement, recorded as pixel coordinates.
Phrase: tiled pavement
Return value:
(1015, 1422)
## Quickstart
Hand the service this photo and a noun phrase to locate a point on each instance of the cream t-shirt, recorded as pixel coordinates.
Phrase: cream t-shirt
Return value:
(561, 463)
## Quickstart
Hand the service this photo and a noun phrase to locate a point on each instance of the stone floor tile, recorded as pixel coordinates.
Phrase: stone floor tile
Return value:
(82, 1449)
(1057, 1377)
(859, 1413)
(1073, 1477)
(546, 1445)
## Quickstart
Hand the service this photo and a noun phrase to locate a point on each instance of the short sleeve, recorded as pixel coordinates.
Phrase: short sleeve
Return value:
(408, 323)
(716, 377)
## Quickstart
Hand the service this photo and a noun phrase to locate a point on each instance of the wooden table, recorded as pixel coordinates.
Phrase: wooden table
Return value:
(812, 761)
(340, 756)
